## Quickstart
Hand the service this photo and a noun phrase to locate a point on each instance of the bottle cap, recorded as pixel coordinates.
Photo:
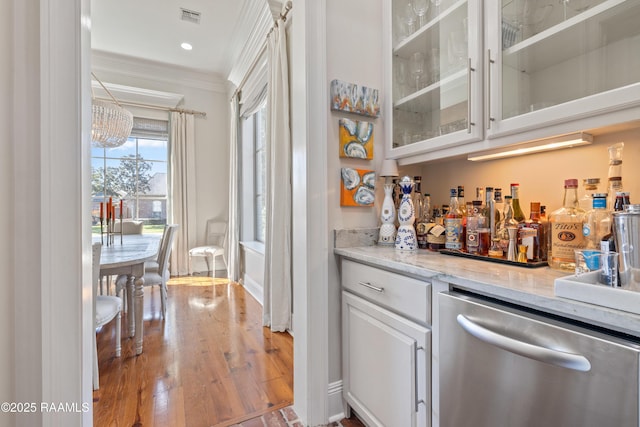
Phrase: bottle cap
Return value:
(453, 192)
(571, 183)
(591, 181)
(599, 195)
(515, 184)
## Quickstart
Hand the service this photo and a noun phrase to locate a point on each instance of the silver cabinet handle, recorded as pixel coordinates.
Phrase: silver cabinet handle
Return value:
(573, 361)
(489, 62)
(469, 123)
(417, 400)
(370, 286)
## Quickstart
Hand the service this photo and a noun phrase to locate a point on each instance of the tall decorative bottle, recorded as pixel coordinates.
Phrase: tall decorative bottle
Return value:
(453, 224)
(406, 236)
(566, 229)
(387, 234)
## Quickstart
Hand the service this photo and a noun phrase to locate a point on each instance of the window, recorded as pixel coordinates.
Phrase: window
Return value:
(254, 166)
(135, 173)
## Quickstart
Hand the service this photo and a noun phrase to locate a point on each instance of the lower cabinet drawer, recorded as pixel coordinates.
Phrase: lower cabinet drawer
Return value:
(405, 295)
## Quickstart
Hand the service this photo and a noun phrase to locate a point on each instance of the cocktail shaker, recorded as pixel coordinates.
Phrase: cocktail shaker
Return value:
(626, 232)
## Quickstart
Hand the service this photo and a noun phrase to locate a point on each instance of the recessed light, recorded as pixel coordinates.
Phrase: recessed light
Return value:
(186, 46)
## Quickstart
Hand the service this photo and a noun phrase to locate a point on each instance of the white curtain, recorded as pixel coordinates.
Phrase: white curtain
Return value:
(277, 274)
(183, 189)
(233, 247)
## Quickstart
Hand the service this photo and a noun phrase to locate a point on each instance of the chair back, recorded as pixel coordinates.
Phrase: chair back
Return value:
(95, 274)
(165, 249)
(162, 242)
(216, 232)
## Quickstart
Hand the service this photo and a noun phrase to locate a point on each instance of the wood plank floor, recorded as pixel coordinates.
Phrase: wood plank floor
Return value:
(210, 363)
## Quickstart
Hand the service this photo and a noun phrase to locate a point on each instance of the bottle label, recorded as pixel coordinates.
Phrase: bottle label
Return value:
(453, 232)
(565, 238)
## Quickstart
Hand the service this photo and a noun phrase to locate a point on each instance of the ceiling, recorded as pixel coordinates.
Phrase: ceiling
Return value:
(153, 30)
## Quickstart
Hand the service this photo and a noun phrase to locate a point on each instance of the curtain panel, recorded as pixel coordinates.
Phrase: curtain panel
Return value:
(182, 189)
(277, 271)
(232, 256)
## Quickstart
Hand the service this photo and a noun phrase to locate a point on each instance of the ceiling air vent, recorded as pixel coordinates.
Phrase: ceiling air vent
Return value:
(190, 15)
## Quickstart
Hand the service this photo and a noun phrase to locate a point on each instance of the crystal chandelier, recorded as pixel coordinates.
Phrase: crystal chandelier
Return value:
(111, 124)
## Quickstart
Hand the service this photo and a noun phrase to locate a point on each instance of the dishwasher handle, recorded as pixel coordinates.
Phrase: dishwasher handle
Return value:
(573, 361)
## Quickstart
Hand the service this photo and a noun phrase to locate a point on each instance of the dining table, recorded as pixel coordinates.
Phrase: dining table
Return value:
(126, 255)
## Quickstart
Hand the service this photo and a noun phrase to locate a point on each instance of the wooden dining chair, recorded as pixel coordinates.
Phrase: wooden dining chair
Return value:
(105, 309)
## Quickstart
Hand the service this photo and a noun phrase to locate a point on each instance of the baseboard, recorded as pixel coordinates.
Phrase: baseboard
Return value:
(254, 288)
(336, 405)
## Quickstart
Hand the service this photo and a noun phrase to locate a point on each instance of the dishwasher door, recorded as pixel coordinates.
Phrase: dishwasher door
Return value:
(501, 366)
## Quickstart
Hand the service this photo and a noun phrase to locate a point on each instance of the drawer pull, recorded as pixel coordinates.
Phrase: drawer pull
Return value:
(370, 286)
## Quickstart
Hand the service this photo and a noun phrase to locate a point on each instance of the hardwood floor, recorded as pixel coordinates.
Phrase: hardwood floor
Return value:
(210, 363)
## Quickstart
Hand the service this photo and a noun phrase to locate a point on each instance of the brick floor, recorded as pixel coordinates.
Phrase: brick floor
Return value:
(287, 417)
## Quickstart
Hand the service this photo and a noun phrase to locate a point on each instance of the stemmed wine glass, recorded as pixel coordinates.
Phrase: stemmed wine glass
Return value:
(416, 66)
(409, 19)
(401, 77)
(420, 7)
(437, 4)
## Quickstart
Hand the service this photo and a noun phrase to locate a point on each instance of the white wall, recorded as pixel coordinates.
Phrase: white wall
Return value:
(7, 379)
(354, 54)
(202, 92)
(541, 176)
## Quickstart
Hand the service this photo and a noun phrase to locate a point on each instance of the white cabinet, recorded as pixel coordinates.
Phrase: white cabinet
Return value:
(435, 74)
(506, 71)
(386, 353)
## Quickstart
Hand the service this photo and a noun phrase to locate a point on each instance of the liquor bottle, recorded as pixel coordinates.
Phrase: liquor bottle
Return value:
(497, 197)
(490, 212)
(507, 222)
(597, 222)
(518, 215)
(475, 220)
(533, 235)
(453, 224)
(423, 225)
(480, 195)
(590, 187)
(566, 229)
(607, 243)
(418, 202)
(427, 207)
(462, 205)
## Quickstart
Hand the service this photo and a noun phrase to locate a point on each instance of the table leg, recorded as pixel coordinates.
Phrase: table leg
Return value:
(138, 310)
(131, 309)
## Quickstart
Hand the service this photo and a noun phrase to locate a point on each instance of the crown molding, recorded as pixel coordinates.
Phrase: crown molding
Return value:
(136, 95)
(256, 23)
(166, 73)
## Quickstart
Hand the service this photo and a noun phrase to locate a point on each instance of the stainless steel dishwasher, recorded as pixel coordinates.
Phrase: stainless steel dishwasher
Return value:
(503, 366)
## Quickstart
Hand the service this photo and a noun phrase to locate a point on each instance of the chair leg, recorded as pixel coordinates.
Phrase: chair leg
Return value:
(119, 333)
(163, 298)
(206, 259)
(190, 266)
(96, 374)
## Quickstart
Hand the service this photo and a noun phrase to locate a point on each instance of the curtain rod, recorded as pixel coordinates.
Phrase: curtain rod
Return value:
(287, 7)
(157, 107)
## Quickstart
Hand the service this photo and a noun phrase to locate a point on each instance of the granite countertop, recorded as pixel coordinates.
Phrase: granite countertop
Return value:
(529, 287)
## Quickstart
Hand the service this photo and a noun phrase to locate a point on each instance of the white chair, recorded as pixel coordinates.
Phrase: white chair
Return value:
(105, 309)
(215, 238)
(153, 265)
(160, 276)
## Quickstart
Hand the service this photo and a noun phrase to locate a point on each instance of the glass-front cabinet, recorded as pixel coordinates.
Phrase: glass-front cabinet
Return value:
(435, 74)
(558, 60)
(467, 75)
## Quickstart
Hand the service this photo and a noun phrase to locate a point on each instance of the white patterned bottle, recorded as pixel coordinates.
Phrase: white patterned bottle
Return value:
(387, 218)
(406, 236)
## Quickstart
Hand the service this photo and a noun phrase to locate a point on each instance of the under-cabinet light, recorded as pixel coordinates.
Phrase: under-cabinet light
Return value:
(547, 144)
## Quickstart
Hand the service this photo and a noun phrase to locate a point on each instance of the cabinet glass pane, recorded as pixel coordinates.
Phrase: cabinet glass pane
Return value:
(430, 69)
(562, 50)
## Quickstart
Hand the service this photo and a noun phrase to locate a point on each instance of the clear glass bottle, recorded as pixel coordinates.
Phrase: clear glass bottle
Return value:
(453, 224)
(533, 234)
(427, 207)
(418, 202)
(518, 214)
(507, 221)
(480, 195)
(499, 202)
(566, 229)
(475, 221)
(597, 222)
(590, 187)
(490, 212)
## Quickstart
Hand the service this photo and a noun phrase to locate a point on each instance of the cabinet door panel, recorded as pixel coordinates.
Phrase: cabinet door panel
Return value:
(385, 365)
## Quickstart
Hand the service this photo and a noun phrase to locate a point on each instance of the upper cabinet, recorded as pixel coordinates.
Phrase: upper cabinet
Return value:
(435, 74)
(471, 75)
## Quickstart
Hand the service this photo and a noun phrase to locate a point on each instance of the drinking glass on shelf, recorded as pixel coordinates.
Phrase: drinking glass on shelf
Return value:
(401, 77)
(416, 66)
(420, 7)
(434, 65)
(436, 4)
(457, 49)
(409, 17)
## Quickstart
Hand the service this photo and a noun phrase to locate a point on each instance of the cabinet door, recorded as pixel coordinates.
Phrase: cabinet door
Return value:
(385, 364)
(434, 73)
(551, 62)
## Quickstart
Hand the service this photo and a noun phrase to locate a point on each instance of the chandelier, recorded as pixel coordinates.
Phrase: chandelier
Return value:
(111, 124)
